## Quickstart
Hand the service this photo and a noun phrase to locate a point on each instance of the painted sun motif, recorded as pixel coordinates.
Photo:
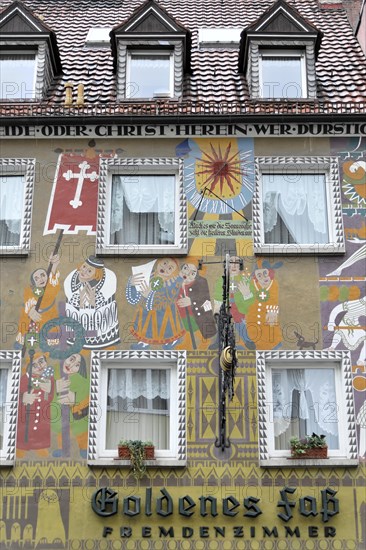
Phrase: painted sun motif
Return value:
(219, 171)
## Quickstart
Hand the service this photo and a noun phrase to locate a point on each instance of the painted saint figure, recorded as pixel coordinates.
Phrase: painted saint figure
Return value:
(263, 315)
(155, 292)
(90, 293)
(195, 306)
(72, 390)
(40, 286)
(35, 398)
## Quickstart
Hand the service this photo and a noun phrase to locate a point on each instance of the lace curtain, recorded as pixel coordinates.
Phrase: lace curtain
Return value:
(11, 203)
(304, 401)
(142, 210)
(3, 384)
(138, 406)
(295, 208)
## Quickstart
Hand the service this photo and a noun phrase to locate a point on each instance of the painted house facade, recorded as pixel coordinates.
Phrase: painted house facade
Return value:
(183, 246)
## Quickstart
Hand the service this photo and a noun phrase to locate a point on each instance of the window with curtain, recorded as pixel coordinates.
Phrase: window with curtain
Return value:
(149, 74)
(301, 392)
(143, 210)
(282, 75)
(11, 209)
(138, 406)
(17, 75)
(295, 208)
(3, 389)
(304, 400)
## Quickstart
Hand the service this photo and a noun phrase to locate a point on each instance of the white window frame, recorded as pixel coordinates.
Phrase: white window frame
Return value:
(131, 166)
(11, 361)
(34, 82)
(269, 457)
(318, 165)
(149, 53)
(298, 54)
(25, 168)
(101, 361)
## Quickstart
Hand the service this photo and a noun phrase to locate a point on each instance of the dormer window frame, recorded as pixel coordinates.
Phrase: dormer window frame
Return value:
(275, 46)
(296, 53)
(21, 31)
(169, 53)
(152, 29)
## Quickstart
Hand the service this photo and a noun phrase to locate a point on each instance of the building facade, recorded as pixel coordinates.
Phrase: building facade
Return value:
(183, 245)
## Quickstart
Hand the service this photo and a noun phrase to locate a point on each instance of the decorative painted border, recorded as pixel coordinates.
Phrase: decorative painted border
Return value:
(110, 165)
(7, 457)
(97, 359)
(344, 357)
(25, 167)
(254, 55)
(326, 164)
(125, 45)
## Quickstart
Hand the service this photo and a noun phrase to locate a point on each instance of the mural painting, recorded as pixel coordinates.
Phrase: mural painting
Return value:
(342, 282)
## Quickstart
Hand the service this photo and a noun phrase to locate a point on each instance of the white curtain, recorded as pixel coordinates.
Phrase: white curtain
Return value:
(304, 401)
(138, 406)
(281, 77)
(142, 210)
(11, 203)
(295, 208)
(3, 385)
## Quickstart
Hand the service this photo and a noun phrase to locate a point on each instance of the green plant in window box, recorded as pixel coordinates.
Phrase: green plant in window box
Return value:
(136, 451)
(310, 446)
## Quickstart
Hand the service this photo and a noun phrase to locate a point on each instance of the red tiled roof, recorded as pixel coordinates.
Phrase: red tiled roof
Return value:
(341, 65)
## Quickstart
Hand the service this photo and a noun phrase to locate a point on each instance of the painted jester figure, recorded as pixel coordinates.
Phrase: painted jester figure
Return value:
(155, 292)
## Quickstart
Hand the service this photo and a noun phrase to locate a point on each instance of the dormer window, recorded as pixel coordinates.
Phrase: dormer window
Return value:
(29, 57)
(282, 74)
(278, 53)
(17, 75)
(149, 74)
(151, 55)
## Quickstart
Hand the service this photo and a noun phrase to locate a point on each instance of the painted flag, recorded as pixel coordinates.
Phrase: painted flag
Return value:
(74, 198)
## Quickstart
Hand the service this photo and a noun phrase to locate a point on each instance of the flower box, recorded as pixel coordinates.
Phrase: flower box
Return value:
(315, 453)
(124, 452)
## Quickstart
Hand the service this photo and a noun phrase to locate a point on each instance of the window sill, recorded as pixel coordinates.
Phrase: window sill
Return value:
(4, 463)
(133, 250)
(308, 462)
(14, 252)
(296, 249)
(157, 463)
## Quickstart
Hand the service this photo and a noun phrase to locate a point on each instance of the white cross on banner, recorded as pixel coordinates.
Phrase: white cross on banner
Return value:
(74, 197)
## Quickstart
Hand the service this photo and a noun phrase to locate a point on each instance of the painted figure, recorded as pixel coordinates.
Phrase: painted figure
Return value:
(349, 330)
(90, 293)
(72, 390)
(157, 320)
(195, 306)
(262, 318)
(240, 297)
(35, 398)
(40, 286)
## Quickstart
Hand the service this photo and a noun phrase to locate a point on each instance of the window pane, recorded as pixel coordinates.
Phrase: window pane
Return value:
(17, 73)
(281, 77)
(11, 205)
(138, 406)
(295, 209)
(304, 401)
(143, 210)
(149, 75)
(3, 383)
